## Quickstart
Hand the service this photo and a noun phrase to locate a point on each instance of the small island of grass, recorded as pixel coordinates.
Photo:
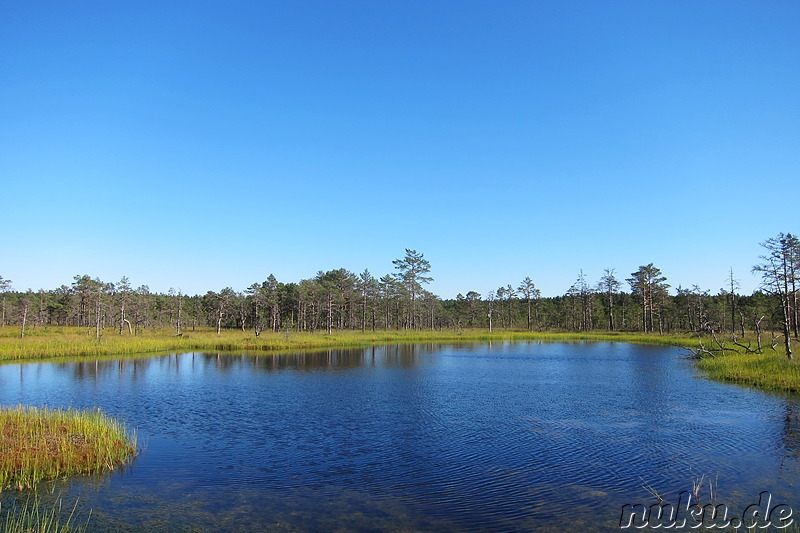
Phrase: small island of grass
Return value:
(39, 444)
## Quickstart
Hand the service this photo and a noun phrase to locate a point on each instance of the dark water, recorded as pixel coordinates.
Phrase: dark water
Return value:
(501, 437)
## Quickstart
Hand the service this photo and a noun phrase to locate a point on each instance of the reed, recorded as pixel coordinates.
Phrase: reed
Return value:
(41, 443)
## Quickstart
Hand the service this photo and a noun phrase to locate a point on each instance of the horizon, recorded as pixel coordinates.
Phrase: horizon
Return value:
(202, 145)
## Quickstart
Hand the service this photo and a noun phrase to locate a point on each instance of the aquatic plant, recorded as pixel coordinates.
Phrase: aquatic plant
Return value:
(33, 515)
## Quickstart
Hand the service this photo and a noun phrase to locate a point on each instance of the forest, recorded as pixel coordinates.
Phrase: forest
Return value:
(342, 300)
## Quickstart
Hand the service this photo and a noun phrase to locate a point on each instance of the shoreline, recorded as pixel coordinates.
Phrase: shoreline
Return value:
(49, 343)
(767, 371)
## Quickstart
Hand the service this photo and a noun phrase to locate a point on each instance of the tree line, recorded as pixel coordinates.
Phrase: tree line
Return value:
(343, 300)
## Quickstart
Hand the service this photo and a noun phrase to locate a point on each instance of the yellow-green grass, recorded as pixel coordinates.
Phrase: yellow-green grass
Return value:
(60, 342)
(39, 444)
(771, 370)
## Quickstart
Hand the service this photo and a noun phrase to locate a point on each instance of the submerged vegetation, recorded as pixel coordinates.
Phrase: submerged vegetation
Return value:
(40, 444)
(38, 515)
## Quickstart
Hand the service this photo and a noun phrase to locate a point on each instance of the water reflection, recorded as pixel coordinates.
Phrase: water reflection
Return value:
(424, 437)
(402, 355)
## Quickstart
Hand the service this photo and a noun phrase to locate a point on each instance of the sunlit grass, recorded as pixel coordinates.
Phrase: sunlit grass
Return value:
(60, 342)
(771, 370)
(40, 443)
(724, 360)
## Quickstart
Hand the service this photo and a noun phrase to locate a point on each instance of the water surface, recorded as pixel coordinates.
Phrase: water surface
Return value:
(479, 437)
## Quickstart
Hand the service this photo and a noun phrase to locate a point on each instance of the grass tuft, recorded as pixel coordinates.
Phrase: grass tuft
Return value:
(40, 444)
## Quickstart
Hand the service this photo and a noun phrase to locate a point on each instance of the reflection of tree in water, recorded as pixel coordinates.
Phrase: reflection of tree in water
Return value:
(303, 361)
(96, 368)
(394, 355)
(406, 355)
(791, 429)
(791, 439)
(403, 355)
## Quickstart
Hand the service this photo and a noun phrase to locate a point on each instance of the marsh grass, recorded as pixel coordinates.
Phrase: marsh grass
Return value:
(64, 342)
(40, 443)
(35, 515)
(771, 370)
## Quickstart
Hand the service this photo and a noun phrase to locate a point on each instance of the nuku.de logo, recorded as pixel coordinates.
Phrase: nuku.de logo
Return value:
(687, 513)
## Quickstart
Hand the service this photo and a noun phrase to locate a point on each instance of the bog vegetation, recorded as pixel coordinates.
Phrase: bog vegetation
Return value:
(737, 337)
(90, 316)
(37, 514)
(40, 444)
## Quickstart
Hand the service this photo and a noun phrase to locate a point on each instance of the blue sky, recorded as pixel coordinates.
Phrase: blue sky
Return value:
(199, 144)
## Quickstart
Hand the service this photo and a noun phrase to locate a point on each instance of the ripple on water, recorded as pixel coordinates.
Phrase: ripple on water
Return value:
(511, 437)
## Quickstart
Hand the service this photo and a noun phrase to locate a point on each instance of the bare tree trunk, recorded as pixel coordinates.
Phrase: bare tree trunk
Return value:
(610, 311)
(644, 308)
(787, 340)
(330, 313)
(180, 309)
(97, 317)
(413, 310)
(757, 327)
(24, 319)
(530, 326)
(364, 313)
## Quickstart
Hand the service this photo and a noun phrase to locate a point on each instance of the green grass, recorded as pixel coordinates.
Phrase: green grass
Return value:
(39, 444)
(61, 342)
(35, 516)
(770, 371)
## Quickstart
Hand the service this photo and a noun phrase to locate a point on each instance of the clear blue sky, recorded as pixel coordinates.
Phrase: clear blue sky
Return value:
(199, 144)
